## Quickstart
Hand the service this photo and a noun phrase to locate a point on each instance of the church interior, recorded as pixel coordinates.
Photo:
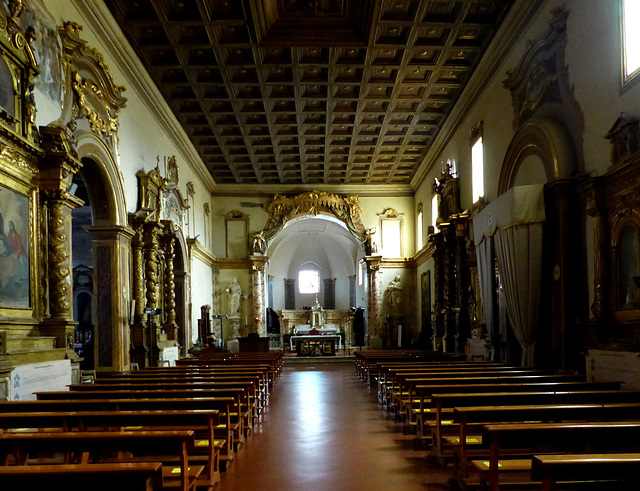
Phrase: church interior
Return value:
(347, 186)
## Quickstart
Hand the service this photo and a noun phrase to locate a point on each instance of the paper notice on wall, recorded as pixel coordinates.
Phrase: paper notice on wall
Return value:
(39, 377)
(614, 366)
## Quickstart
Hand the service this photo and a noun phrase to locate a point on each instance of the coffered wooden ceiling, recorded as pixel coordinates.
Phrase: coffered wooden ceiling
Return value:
(310, 92)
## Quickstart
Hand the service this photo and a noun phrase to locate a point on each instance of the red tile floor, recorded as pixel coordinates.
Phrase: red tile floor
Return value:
(324, 430)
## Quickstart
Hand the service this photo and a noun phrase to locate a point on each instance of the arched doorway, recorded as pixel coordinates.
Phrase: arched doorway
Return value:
(101, 252)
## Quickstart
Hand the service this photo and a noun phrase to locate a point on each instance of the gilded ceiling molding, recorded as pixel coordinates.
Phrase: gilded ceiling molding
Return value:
(90, 92)
(344, 208)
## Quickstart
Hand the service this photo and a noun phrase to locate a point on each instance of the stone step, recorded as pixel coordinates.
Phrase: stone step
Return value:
(17, 358)
(30, 343)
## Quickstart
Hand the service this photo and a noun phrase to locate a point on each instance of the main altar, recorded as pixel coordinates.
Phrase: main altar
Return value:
(323, 329)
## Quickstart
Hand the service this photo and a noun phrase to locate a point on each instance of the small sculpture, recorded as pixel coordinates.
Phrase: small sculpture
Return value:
(394, 296)
(234, 293)
(259, 243)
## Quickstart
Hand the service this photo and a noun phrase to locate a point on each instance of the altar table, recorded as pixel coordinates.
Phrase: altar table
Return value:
(315, 338)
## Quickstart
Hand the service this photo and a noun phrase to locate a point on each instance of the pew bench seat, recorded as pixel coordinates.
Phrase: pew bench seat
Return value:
(619, 470)
(146, 476)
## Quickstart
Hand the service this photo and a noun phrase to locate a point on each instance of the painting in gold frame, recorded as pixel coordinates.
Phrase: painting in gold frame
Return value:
(14, 250)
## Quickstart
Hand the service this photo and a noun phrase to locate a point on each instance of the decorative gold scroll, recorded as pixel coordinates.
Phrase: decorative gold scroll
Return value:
(344, 208)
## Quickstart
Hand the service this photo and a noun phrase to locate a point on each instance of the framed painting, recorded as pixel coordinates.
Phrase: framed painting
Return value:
(15, 219)
(237, 228)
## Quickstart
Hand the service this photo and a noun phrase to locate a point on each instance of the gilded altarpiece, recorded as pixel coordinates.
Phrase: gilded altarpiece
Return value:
(613, 202)
(35, 211)
(157, 226)
(453, 269)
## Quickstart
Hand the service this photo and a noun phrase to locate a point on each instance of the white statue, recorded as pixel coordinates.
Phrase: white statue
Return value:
(234, 293)
(394, 296)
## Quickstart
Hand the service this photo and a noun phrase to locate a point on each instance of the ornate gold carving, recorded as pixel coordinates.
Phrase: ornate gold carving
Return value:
(58, 257)
(18, 161)
(168, 243)
(95, 95)
(345, 208)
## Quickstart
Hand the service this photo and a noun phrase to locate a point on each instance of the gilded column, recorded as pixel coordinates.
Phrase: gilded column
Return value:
(151, 265)
(374, 300)
(60, 323)
(137, 337)
(168, 246)
(259, 303)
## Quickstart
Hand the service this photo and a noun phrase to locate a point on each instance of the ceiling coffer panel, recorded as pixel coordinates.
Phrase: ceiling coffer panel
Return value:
(310, 92)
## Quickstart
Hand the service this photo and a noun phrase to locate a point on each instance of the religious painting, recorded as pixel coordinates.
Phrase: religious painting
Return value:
(47, 49)
(14, 250)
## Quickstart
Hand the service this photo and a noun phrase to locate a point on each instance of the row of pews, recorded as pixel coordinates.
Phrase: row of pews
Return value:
(153, 429)
(505, 427)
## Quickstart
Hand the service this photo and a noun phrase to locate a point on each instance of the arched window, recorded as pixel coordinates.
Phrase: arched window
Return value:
(309, 281)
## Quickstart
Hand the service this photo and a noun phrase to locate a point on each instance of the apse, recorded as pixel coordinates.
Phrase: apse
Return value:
(314, 243)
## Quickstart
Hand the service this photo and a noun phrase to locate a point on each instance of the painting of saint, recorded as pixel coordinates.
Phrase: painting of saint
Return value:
(14, 250)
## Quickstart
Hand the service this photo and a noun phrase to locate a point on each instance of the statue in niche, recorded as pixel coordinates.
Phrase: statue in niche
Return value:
(394, 296)
(234, 294)
(259, 243)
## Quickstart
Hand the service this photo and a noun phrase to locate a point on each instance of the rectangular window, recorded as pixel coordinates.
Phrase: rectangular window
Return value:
(631, 37)
(419, 230)
(477, 170)
(309, 281)
(360, 275)
(434, 212)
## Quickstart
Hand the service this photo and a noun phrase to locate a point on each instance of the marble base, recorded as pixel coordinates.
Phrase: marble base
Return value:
(233, 346)
(375, 342)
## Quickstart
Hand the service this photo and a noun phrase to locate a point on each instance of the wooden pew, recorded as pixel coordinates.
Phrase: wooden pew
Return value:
(613, 471)
(249, 401)
(224, 405)
(436, 401)
(550, 437)
(390, 378)
(92, 445)
(473, 417)
(258, 394)
(262, 375)
(202, 422)
(126, 476)
(239, 394)
(405, 397)
(420, 396)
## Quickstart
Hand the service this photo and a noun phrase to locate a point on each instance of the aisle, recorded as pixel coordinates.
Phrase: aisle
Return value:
(325, 431)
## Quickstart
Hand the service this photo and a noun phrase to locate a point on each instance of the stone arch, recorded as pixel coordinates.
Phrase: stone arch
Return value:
(101, 172)
(546, 138)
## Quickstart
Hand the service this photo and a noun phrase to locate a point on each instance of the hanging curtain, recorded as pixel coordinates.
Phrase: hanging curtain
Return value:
(485, 276)
(515, 220)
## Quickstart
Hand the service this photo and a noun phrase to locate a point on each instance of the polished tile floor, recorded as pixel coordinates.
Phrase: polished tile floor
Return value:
(324, 430)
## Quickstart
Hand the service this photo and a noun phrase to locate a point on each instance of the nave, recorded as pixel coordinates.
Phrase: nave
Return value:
(324, 430)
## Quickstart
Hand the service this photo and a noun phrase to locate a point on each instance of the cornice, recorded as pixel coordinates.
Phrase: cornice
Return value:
(197, 250)
(513, 26)
(424, 254)
(373, 190)
(102, 24)
(234, 263)
(400, 262)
